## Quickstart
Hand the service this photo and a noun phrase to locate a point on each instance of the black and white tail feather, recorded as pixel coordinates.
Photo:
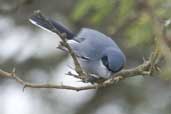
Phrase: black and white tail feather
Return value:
(38, 21)
(49, 24)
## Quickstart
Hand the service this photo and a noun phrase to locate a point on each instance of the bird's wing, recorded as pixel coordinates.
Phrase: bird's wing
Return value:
(90, 44)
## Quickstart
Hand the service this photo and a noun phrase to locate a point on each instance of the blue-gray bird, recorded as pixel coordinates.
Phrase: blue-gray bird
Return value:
(97, 53)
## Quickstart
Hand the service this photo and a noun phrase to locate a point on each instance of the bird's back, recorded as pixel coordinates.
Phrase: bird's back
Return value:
(94, 41)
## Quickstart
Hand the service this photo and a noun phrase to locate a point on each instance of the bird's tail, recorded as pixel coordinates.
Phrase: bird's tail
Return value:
(48, 24)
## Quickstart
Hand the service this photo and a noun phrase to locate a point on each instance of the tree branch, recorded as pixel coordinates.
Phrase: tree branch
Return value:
(145, 69)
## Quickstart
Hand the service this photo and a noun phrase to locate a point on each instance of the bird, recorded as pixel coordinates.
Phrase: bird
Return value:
(99, 56)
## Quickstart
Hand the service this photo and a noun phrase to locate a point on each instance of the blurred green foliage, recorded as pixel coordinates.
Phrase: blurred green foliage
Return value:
(140, 31)
(98, 8)
(117, 12)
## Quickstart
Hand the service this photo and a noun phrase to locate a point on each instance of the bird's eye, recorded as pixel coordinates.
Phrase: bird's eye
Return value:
(105, 61)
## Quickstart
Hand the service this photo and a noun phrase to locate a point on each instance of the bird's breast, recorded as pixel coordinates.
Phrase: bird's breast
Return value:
(95, 67)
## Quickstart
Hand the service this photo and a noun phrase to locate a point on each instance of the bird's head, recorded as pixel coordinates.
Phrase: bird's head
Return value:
(113, 59)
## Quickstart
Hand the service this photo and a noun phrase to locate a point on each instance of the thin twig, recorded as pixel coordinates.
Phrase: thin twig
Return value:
(4, 73)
